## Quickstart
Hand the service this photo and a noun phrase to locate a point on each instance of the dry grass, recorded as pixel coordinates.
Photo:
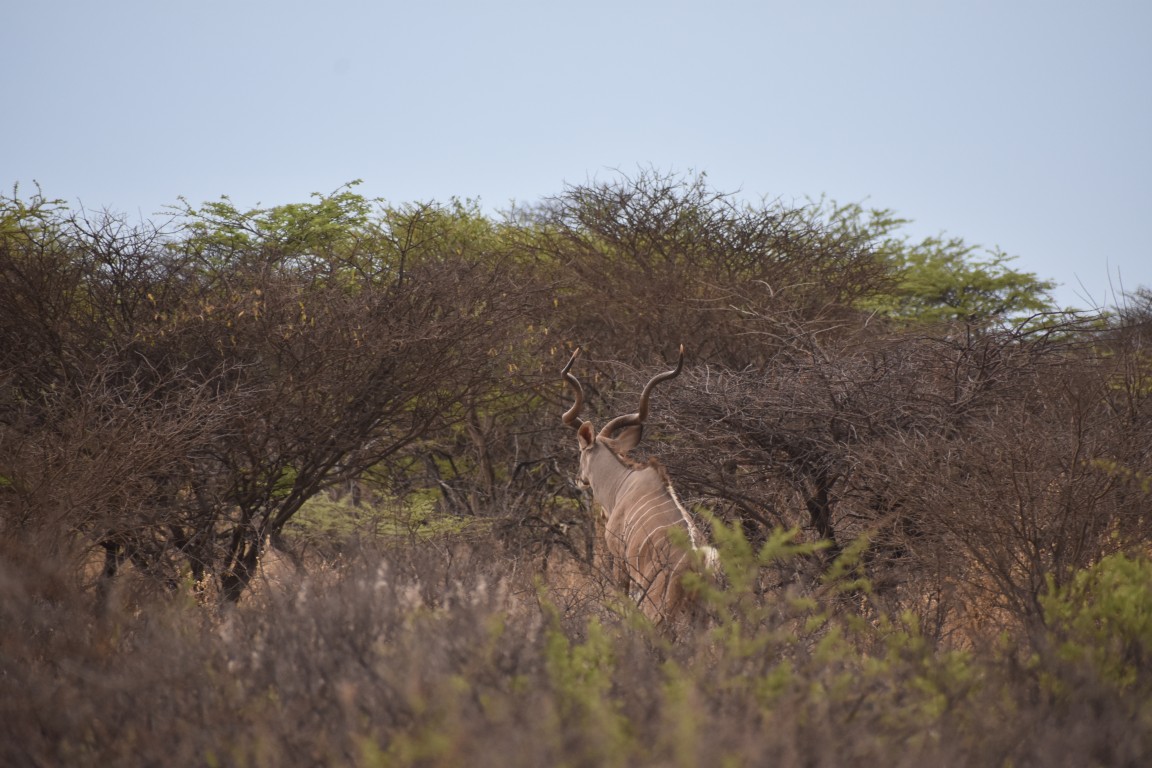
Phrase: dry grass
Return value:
(449, 653)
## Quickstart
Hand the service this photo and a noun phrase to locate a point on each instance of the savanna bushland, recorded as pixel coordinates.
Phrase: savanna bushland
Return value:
(288, 486)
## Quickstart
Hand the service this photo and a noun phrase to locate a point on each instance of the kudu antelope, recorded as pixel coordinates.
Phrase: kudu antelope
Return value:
(639, 506)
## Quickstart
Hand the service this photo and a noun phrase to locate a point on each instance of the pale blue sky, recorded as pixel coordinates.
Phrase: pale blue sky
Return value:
(1022, 125)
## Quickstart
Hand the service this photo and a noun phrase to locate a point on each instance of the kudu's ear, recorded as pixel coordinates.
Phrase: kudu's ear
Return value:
(627, 438)
(585, 434)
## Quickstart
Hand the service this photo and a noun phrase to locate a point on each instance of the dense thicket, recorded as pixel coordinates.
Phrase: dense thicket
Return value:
(177, 398)
(922, 478)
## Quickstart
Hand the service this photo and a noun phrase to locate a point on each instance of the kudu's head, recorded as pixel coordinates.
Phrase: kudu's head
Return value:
(620, 435)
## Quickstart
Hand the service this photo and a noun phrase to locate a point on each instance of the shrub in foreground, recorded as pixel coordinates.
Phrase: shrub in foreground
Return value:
(432, 654)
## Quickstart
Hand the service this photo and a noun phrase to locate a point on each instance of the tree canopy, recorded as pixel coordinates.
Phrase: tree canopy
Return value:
(933, 509)
(199, 381)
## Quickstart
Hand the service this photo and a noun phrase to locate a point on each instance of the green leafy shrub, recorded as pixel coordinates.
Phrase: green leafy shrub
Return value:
(1101, 621)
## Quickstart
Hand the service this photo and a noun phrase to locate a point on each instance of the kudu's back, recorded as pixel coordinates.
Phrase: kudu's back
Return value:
(642, 513)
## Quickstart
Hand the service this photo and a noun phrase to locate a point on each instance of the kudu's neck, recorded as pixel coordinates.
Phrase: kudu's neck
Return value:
(607, 475)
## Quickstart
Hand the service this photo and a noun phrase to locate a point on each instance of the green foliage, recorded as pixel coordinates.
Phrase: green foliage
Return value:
(1102, 620)
(940, 279)
(421, 231)
(944, 280)
(581, 675)
(744, 622)
(31, 216)
(221, 230)
(328, 524)
(1114, 469)
(827, 657)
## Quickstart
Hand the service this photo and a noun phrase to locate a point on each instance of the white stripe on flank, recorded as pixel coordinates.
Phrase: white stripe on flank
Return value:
(693, 534)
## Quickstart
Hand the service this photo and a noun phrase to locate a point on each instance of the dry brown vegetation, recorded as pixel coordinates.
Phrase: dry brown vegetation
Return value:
(289, 487)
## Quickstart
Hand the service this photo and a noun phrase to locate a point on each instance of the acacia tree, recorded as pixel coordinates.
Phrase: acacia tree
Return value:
(983, 462)
(942, 279)
(269, 359)
(90, 426)
(176, 394)
(642, 265)
(346, 382)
